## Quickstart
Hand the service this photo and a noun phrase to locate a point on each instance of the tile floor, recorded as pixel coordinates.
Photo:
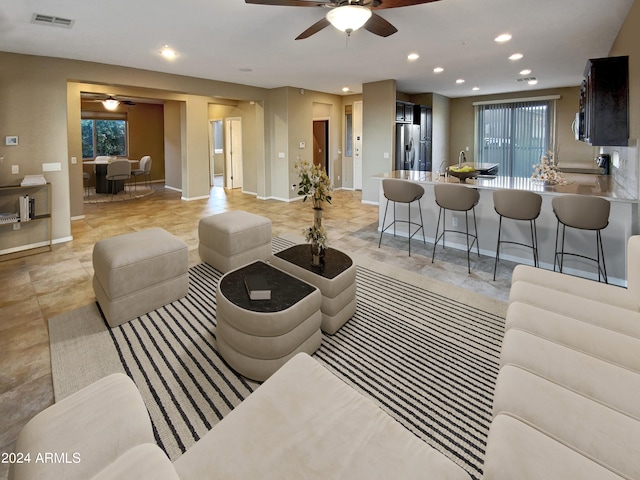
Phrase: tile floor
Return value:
(41, 286)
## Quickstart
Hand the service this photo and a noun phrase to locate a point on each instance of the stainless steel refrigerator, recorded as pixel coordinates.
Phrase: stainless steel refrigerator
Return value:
(408, 147)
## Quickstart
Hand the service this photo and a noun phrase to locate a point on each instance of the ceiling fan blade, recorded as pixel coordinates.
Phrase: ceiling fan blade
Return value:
(315, 28)
(290, 3)
(379, 26)
(398, 3)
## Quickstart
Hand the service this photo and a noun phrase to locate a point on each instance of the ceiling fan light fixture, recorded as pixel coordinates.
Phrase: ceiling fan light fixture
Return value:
(348, 18)
(110, 103)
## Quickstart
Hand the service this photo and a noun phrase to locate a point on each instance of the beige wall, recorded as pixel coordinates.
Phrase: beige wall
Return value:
(378, 134)
(173, 144)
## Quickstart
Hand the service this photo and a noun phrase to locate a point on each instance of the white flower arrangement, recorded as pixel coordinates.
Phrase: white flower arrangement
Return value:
(314, 183)
(317, 236)
(547, 171)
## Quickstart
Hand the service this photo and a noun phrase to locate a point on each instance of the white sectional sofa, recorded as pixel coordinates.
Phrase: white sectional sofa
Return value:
(566, 406)
(567, 399)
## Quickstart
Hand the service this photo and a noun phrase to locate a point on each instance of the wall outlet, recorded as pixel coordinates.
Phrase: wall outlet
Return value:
(338, 177)
(16, 226)
(15, 169)
(74, 160)
(454, 221)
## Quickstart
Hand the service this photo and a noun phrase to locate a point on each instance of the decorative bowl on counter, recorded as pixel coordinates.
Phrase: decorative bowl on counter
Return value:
(463, 173)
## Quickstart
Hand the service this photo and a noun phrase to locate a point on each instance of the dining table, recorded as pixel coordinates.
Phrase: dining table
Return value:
(102, 184)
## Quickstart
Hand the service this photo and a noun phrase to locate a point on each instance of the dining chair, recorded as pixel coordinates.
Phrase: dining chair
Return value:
(145, 169)
(118, 170)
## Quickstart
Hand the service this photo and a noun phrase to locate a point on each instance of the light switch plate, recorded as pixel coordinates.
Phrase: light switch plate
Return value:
(52, 167)
(15, 169)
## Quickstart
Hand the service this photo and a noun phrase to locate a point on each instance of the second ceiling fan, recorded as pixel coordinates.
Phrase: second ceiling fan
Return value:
(347, 15)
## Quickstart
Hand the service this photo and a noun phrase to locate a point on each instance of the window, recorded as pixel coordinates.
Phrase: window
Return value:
(515, 134)
(103, 136)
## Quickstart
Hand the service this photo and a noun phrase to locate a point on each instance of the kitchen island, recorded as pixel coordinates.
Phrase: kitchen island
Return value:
(623, 221)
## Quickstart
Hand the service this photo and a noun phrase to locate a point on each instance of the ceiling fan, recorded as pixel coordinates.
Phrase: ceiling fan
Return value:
(344, 12)
(110, 102)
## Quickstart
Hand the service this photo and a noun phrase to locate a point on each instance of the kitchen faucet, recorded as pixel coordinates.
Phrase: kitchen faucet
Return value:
(461, 157)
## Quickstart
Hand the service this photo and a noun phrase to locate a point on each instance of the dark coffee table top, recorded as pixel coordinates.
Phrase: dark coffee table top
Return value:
(335, 262)
(286, 290)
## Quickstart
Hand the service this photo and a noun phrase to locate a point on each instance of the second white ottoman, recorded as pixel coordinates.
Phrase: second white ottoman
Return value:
(232, 239)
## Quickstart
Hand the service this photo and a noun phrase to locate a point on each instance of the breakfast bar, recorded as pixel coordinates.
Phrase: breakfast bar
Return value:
(623, 220)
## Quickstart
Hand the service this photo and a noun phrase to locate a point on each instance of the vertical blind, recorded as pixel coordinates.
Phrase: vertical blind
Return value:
(515, 135)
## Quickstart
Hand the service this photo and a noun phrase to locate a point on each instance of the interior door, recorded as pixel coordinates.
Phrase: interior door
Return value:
(320, 141)
(233, 157)
(357, 145)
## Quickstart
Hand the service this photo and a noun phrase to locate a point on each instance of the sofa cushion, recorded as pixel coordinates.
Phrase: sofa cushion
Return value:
(518, 450)
(590, 311)
(581, 287)
(93, 426)
(304, 422)
(589, 427)
(143, 462)
(595, 340)
(599, 379)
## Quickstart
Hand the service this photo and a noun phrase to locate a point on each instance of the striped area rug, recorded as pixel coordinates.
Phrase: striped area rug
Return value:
(427, 360)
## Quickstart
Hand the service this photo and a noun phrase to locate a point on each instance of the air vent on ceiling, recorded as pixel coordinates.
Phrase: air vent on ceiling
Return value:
(526, 79)
(51, 20)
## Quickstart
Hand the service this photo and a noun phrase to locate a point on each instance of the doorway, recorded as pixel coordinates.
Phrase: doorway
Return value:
(357, 145)
(216, 149)
(233, 153)
(320, 143)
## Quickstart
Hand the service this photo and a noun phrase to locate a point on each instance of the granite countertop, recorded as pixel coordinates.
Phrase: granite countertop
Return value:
(577, 183)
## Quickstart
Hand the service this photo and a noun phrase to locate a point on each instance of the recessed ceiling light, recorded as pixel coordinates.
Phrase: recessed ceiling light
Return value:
(413, 57)
(516, 56)
(476, 88)
(345, 89)
(438, 70)
(460, 81)
(533, 81)
(526, 71)
(167, 52)
(504, 37)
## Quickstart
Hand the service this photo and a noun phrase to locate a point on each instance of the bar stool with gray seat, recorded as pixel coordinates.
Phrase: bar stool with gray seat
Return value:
(402, 191)
(517, 205)
(456, 197)
(584, 213)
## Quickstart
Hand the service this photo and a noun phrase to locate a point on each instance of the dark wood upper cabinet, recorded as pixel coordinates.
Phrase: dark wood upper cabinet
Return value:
(404, 112)
(603, 118)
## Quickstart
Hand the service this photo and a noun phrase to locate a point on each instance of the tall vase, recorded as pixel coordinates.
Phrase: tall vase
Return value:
(317, 252)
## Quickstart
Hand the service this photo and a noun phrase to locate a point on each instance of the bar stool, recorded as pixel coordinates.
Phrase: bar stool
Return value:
(402, 191)
(451, 196)
(584, 213)
(517, 205)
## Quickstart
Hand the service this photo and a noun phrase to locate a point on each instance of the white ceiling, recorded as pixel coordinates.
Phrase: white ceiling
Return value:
(217, 39)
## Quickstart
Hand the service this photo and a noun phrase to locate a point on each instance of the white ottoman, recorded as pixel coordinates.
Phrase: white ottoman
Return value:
(232, 239)
(257, 337)
(138, 272)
